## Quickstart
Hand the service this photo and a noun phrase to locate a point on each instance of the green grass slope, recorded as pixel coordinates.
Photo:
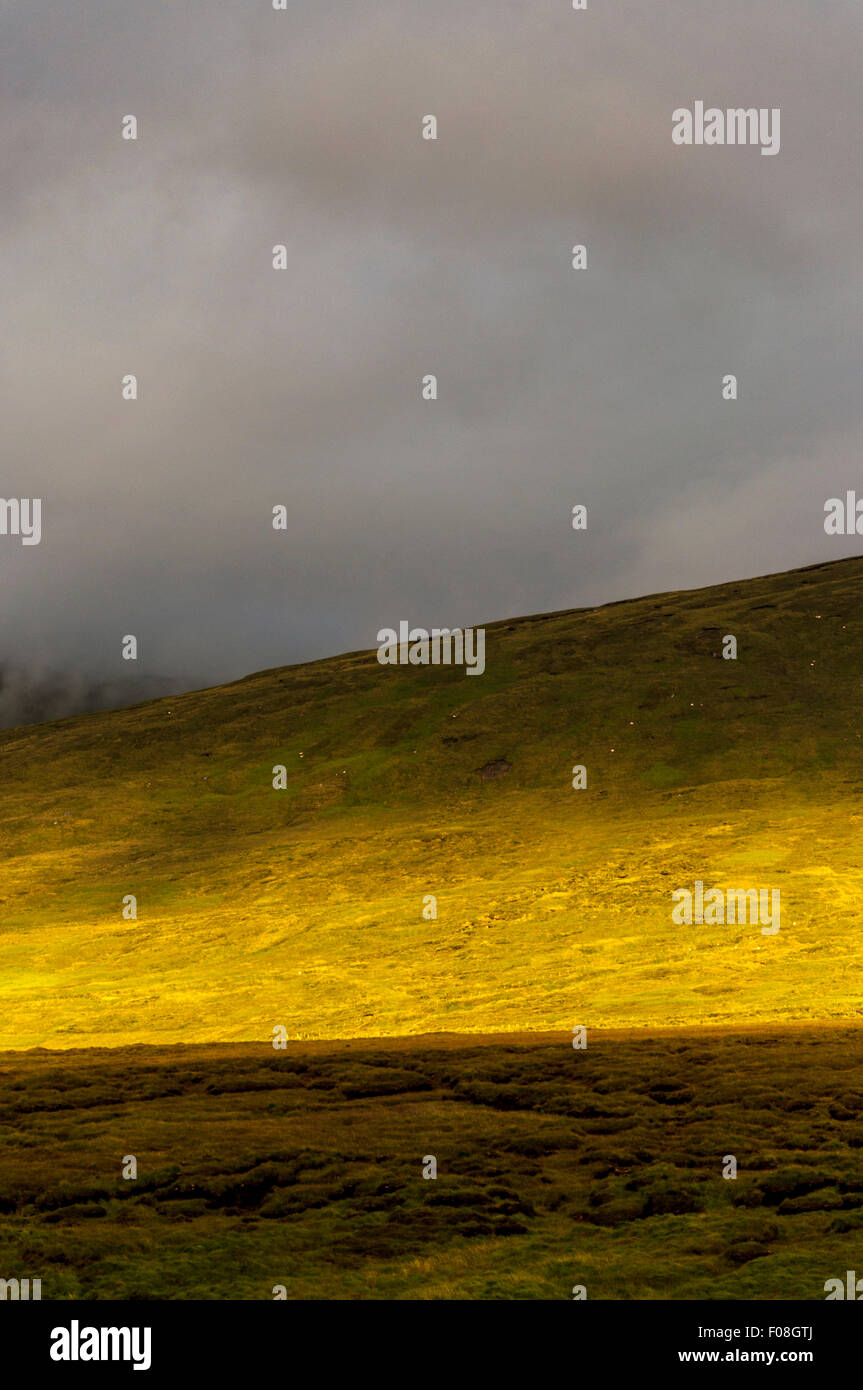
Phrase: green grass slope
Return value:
(303, 907)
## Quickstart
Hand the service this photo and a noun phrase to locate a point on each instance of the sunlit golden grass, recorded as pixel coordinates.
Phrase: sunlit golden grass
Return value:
(303, 907)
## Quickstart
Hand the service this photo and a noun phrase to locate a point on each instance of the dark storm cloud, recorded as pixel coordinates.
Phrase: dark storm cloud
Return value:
(405, 257)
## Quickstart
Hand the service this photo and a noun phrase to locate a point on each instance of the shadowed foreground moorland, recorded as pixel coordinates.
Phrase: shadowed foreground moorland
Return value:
(556, 1167)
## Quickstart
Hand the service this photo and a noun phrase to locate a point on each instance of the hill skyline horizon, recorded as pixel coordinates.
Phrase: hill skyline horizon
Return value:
(102, 695)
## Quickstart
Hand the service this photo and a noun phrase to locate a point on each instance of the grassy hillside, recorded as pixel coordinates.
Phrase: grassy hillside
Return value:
(303, 907)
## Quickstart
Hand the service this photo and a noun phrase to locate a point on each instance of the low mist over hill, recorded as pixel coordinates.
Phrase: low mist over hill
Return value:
(30, 695)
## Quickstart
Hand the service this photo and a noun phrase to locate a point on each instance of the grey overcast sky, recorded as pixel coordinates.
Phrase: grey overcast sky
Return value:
(405, 257)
